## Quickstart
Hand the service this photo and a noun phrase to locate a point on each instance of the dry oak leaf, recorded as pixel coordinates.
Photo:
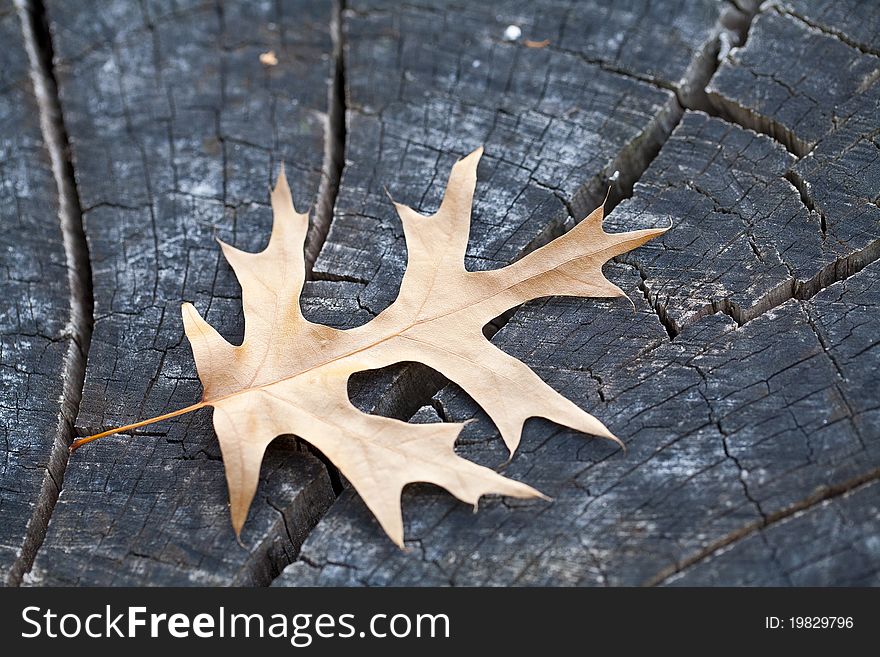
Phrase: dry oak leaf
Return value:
(290, 376)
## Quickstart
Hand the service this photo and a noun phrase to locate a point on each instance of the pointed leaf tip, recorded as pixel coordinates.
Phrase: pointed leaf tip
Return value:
(237, 526)
(238, 514)
(191, 316)
(610, 436)
(281, 192)
(535, 493)
(472, 159)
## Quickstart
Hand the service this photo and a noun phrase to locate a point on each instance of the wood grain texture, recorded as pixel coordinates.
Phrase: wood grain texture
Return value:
(555, 125)
(727, 428)
(732, 429)
(840, 181)
(36, 341)
(855, 22)
(754, 226)
(176, 130)
(842, 552)
(744, 383)
(789, 79)
(843, 541)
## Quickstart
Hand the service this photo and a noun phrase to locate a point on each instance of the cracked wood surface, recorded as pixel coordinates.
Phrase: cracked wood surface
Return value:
(745, 384)
(556, 124)
(791, 78)
(176, 129)
(842, 552)
(736, 434)
(842, 549)
(855, 22)
(746, 239)
(36, 339)
(722, 437)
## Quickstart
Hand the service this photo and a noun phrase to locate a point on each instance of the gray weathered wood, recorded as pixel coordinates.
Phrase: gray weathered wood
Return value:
(740, 232)
(555, 124)
(727, 428)
(743, 238)
(744, 383)
(731, 430)
(176, 130)
(841, 550)
(789, 79)
(840, 180)
(835, 542)
(855, 22)
(36, 343)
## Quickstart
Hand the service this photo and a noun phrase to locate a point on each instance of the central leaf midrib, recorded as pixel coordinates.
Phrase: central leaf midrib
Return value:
(398, 333)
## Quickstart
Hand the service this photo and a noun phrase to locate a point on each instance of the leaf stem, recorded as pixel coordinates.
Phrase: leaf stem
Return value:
(79, 442)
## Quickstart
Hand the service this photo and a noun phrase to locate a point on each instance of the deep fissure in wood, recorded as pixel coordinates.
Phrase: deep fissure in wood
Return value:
(334, 145)
(38, 43)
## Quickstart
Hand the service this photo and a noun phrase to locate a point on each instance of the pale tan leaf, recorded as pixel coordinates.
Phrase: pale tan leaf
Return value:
(290, 376)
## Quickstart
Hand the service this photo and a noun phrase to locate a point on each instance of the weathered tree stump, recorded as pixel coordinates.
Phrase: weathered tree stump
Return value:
(176, 130)
(744, 384)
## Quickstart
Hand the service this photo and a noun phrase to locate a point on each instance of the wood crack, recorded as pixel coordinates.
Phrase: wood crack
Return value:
(803, 189)
(821, 495)
(732, 112)
(334, 144)
(828, 31)
(38, 44)
(629, 165)
(839, 270)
